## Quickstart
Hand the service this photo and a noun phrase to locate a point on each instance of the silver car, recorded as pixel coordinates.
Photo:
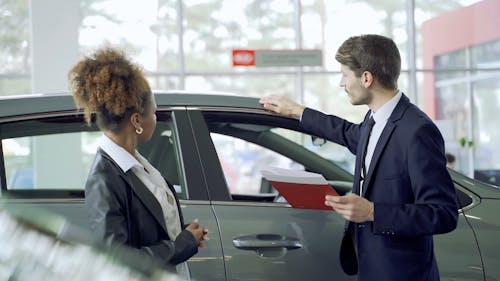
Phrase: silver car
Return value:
(212, 147)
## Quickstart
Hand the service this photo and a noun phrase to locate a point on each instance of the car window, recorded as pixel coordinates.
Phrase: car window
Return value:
(463, 200)
(55, 161)
(47, 153)
(246, 143)
(56, 153)
(163, 153)
(331, 151)
(259, 139)
(242, 162)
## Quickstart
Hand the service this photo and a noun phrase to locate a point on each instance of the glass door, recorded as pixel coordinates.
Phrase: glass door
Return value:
(486, 95)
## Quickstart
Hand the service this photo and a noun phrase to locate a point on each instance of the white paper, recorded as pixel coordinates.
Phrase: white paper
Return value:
(292, 176)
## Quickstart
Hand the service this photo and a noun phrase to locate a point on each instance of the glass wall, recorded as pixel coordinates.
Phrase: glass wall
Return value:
(15, 64)
(187, 44)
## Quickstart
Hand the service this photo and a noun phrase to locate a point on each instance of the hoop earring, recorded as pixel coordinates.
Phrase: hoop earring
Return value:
(139, 131)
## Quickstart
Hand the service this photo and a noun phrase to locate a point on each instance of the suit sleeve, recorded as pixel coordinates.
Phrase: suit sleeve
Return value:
(434, 208)
(107, 207)
(174, 252)
(332, 128)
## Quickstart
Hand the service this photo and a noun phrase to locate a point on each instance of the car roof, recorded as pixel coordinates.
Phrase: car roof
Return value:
(40, 103)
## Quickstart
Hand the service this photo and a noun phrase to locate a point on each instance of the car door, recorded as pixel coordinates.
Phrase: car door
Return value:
(263, 239)
(46, 157)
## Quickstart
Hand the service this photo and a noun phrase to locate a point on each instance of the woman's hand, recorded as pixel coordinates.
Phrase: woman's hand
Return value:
(199, 232)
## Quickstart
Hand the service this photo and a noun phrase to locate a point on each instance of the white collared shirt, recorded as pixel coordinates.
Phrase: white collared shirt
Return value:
(151, 178)
(380, 117)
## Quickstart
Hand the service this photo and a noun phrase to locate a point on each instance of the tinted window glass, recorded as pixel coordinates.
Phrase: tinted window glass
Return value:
(329, 150)
(463, 200)
(52, 161)
(246, 143)
(162, 152)
(242, 162)
(57, 153)
(48, 153)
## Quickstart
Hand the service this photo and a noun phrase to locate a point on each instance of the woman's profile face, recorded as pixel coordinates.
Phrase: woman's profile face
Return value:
(148, 121)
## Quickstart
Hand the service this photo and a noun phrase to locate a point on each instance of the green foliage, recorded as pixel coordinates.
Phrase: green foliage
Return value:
(463, 141)
(14, 34)
(15, 53)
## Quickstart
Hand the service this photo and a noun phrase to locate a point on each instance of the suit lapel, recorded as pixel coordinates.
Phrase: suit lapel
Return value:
(384, 138)
(146, 197)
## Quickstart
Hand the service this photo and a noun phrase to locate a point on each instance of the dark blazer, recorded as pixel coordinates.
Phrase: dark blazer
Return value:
(122, 210)
(410, 187)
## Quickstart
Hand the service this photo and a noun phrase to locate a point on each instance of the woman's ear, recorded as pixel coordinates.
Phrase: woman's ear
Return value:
(136, 120)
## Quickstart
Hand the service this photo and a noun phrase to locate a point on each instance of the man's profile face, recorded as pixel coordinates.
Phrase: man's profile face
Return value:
(352, 85)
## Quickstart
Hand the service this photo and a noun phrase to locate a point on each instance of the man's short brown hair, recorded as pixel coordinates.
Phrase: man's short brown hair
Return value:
(374, 53)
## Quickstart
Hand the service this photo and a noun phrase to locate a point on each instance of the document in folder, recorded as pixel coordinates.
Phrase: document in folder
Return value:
(301, 189)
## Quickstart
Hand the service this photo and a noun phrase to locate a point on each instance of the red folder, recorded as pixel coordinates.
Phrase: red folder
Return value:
(301, 189)
(305, 196)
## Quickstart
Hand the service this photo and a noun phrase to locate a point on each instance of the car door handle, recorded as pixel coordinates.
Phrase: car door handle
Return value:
(267, 245)
(266, 241)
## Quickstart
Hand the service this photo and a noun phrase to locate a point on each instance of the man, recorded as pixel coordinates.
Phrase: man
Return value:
(402, 192)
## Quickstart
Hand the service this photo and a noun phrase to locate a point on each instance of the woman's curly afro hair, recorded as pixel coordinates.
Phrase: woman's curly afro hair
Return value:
(109, 84)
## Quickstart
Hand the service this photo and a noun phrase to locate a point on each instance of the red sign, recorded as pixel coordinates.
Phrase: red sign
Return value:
(243, 57)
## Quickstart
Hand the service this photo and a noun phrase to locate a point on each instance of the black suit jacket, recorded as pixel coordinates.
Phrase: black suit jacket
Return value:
(413, 195)
(122, 210)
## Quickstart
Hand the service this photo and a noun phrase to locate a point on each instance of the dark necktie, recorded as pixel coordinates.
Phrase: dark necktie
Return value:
(367, 133)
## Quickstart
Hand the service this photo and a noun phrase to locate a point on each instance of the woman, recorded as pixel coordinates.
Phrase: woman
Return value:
(128, 200)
